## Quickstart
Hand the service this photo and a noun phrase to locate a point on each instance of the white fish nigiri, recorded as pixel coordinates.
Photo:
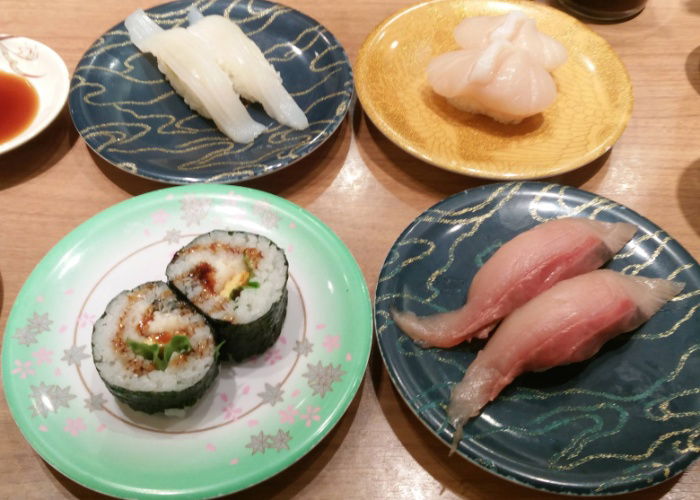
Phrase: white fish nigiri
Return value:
(253, 77)
(515, 27)
(185, 61)
(568, 323)
(521, 269)
(498, 81)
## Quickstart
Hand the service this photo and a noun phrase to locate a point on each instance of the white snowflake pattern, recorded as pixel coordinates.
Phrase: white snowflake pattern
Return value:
(268, 216)
(74, 355)
(173, 236)
(39, 323)
(24, 336)
(321, 378)
(49, 399)
(194, 209)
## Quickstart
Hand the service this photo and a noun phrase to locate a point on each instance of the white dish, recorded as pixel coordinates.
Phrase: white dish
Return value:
(45, 71)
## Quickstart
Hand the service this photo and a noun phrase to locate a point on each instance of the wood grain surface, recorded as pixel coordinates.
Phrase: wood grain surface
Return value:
(367, 190)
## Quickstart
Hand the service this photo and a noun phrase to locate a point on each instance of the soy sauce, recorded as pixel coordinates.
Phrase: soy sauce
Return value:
(19, 104)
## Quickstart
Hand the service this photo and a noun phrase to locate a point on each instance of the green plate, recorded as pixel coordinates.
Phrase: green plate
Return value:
(259, 417)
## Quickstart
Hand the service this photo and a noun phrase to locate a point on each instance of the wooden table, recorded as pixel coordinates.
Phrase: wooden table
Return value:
(379, 449)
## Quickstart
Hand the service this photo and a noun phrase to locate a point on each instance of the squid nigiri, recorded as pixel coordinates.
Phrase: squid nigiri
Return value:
(568, 323)
(517, 28)
(499, 81)
(519, 270)
(253, 77)
(183, 59)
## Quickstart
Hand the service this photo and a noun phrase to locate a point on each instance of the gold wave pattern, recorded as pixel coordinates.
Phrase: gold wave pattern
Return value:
(100, 73)
(589, 425)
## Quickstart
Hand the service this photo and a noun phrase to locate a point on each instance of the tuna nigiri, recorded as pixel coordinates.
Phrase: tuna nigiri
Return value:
(498, 81)
(184, 60)
(566, 324)
(522, 268)
(253, 77)
(517, 28)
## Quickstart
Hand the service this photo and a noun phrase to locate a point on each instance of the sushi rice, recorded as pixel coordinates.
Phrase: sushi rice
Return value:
(238, 280)
(152, 317)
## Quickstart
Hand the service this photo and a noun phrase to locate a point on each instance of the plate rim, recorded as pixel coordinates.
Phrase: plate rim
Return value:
(224, 177)
(69, 468)
(469, 168)
(474, 458)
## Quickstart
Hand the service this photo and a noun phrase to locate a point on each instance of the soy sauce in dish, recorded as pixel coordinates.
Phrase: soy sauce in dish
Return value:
(19, 104)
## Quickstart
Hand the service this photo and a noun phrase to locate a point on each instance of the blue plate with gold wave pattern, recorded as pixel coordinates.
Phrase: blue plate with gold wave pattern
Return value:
(624, 420)
(129, 114)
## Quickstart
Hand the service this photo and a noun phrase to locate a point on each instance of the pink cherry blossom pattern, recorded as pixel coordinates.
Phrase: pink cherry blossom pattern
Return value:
(23, 369)
(74, 426)
(57, 372)
(290, 248)
(246, 389)
(210, 447)
(223, 397)
(287, 416)
(320, 326)
(234, 461)
(101, 427)
(310, 415)
(296, 393)
(231, 412)
(292, 225)
(43, 356)
(86, 319)
(348, 357)
(331, 342)
(272, 356)
(283, 340)
(43, 428)
(160, 217)
(69, 291)
(252, 423)
(63, 329)
(40, 298)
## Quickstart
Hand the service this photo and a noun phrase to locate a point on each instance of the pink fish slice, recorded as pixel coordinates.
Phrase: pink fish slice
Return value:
(521, 269)
(566, 324)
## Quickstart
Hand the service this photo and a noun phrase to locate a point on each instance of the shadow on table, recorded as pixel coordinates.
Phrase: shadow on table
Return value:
(389, 164)
(692, 64)
(454, 473)
(285, 182)
(688, 194)
(288, 483)
(39, 154)
(693, 6)
(2, 294)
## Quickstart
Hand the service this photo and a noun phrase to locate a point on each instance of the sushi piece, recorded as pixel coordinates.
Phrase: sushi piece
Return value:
(566, 324)
(238, 280)
(499, 81)
(153, 351)
(253, 77)
(186, 62)
(521, 269)
(515, 27)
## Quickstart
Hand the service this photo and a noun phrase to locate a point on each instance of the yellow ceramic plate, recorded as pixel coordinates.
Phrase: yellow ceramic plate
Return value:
(592, 108)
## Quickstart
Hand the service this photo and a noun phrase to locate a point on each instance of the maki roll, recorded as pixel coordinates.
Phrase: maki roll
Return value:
(154, 351)
(238, 280)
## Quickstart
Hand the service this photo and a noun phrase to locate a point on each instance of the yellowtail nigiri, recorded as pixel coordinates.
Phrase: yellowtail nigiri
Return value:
(521, 269)
(568, 323)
